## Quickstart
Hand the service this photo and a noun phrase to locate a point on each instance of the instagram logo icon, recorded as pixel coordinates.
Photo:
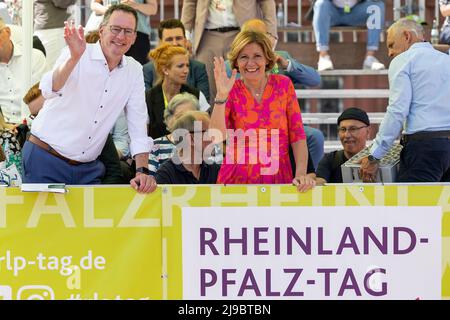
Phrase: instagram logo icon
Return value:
(35, 292)
(5, 293)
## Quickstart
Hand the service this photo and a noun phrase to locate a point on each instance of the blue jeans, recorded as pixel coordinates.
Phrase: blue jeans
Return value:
(39, 166)
(315, 142)
(326, 15)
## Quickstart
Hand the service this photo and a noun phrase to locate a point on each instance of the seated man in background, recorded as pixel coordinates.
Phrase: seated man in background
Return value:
(172, 31)
(188, 165)
(12, 74)
(16, 37)
(164, 147)
(328, 13)
(354, 129)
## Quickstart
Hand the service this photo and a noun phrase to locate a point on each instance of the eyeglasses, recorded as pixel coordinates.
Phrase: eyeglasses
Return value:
(116, 30)
(351, 130)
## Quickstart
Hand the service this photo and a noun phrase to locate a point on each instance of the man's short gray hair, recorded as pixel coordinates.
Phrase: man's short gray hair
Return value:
(409, 25)
(178, 100)
(118, 7)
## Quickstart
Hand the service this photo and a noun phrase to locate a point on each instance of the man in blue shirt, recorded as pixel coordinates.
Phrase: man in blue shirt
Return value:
(419, 102)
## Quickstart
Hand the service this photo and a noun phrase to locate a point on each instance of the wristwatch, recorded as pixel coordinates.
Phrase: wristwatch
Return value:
(372, 159)
(143, 170)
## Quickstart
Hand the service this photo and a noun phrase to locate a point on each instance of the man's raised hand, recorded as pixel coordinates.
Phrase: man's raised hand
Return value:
(74, 38)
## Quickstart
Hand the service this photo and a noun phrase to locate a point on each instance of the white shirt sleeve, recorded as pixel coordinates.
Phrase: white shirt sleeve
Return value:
(204, 105)
(46, 84)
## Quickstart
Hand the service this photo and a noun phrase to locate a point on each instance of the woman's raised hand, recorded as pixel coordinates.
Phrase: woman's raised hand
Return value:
(223, 83)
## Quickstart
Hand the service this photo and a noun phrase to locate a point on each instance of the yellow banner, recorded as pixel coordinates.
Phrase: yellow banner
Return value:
(91, 243)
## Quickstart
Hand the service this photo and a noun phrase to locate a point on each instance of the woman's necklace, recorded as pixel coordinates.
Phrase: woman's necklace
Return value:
(259, 93)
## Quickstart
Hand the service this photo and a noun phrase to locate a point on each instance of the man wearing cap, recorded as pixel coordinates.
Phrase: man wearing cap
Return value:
(419, 100)
(354, 128)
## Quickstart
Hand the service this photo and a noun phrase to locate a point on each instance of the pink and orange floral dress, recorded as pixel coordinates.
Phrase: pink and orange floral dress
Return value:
(259, 134)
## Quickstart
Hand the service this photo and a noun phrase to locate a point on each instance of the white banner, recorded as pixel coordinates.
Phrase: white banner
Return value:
(312, 252)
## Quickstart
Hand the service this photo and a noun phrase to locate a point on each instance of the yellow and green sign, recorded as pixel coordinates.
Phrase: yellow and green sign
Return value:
(112, 243)
(90, 243)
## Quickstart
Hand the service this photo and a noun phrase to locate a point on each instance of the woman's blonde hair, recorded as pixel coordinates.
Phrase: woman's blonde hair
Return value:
(244, 38)
(163, 55)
